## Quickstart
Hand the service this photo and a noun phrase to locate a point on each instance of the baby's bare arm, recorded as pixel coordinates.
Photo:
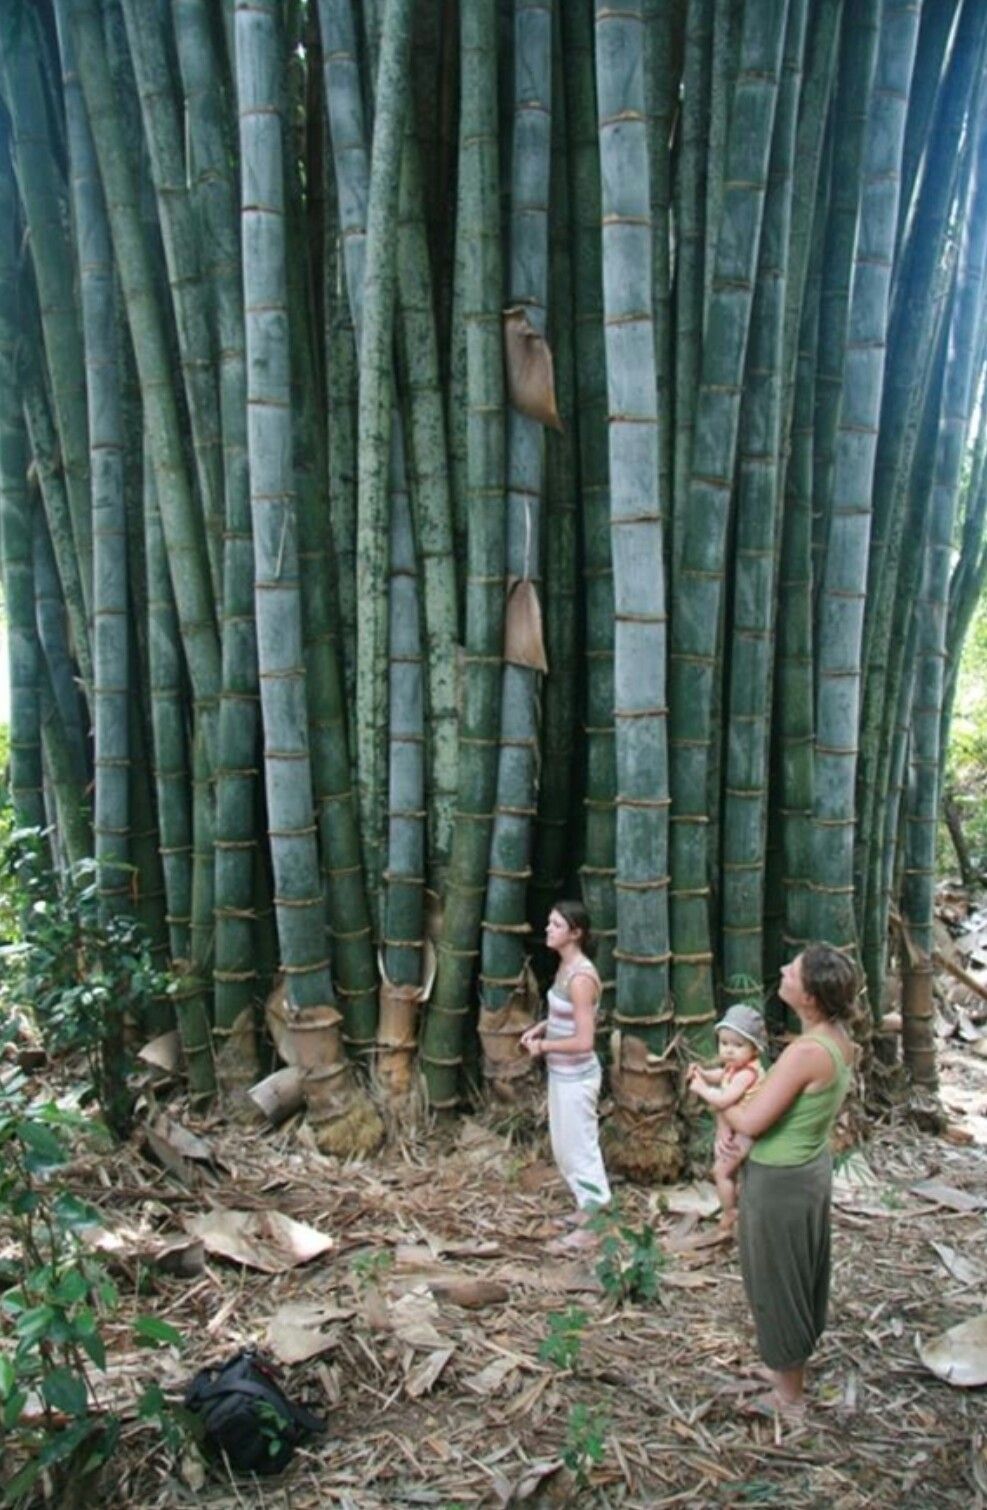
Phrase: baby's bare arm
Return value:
(730, 1094)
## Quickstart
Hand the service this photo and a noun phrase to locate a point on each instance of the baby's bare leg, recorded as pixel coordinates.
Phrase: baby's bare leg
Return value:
(732, 1149)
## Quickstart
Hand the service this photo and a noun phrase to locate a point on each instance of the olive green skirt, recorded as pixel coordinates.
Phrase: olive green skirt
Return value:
(784, 1255)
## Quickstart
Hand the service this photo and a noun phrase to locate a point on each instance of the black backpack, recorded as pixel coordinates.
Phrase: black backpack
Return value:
(246, 1416)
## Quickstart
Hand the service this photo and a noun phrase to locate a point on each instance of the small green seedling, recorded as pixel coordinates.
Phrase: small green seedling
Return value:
(368, 1269)
(630, 1259)
(585, 1441)
(563, 1342)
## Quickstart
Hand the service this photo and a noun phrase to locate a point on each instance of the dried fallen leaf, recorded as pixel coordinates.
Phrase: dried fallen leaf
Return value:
(700, 1197)
(420, 1379)
(295, 1332)
(413, 1319)
(947, 1195)
(686, 1279)
(265, 1240)
(960, 1355)
(533, 1477)
(961, 1268)
(490, 1379)
(186, 1144)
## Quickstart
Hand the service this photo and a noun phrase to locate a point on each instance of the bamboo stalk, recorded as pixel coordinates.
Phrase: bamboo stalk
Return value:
(480, 298)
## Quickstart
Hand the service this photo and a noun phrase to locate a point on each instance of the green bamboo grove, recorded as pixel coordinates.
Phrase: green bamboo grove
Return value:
(455, 456)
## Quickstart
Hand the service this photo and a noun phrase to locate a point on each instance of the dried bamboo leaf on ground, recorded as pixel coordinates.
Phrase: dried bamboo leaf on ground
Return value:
(421, 1377)
(265, 1240)
(681, 1200)
(960, 1355)
(948, 1195)
(959, 1266)
(414, 1319)
(295, 1331)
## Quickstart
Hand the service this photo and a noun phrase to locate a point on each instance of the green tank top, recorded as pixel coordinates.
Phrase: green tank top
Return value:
(802, 1132)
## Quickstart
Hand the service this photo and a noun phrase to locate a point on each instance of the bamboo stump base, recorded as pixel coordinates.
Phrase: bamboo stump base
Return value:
(354, 1133)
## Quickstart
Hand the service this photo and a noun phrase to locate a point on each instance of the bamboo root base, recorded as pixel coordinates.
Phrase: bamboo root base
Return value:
(355, 1132)
(643, 1147)
(643, 1139)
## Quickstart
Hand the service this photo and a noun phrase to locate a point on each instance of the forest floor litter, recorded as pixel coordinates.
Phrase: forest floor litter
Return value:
(406, 1299)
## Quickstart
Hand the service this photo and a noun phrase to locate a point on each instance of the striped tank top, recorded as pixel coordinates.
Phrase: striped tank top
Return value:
(561, 1024)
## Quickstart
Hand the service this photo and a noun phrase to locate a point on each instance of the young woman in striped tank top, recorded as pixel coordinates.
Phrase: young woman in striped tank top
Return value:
(565, 1039)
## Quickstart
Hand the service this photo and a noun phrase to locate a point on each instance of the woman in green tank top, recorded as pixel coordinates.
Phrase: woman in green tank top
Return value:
(784, 1233)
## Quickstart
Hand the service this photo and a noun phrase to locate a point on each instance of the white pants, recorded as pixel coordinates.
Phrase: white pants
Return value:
(575, 1133)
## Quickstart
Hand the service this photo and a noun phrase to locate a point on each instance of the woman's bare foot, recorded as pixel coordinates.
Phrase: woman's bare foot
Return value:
(772, 1404)
(579, 1239)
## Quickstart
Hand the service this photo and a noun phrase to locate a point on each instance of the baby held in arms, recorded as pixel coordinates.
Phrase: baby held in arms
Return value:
(741, 1039)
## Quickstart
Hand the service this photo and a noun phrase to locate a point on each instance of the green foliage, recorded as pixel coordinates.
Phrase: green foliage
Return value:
(54, 1299)
(585, 1440)
(82, 978)
(630, 1261)
(563, 1342)
(369, 1268)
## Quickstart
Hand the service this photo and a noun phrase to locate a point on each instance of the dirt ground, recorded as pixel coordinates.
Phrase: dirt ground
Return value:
(429, 1309)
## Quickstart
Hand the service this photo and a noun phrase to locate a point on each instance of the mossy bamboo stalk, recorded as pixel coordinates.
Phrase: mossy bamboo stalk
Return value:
(172, 775)
(505, 925)
(112, 668)
(643, 1005)
(858, 54)
(480, 300)
(663, 28)
(46, 454)
(935, 31)
(298, 897)
(690, 218)
(916, 311)
(52, 623)
(795, 722)
(163, 139)
(697, 604)
(16, 542)
(75, 836)
(889, 765)
(43, 196)
(597, 869)
(374, 451)
(818, 87)
(182, 526)
(725, 39)
(203, 76)
(354, 963)
(746, 795)
(431, 498)
(555, 853)
(844, 585)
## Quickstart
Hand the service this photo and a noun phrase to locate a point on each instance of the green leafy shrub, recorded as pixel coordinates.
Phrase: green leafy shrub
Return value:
(585, 1440)
(81, 978)
(563, 1342)
(631, 1260)
(54, 1298)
